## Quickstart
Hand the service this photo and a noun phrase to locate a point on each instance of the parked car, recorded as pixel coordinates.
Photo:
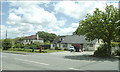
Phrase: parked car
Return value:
(71, 48)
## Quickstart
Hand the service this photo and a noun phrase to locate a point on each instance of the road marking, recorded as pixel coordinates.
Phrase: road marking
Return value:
(31, 61)
(19, 55)
(73, 69)
(70, 60)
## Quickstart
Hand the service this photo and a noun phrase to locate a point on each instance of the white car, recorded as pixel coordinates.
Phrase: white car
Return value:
(71, 48)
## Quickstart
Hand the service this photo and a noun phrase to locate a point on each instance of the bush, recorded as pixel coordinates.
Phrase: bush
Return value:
(44, 51)
(7, 43)
(56, 48)
(17, 45)
(59, 48)
(117, 52)
(66, 49)
(102, 51)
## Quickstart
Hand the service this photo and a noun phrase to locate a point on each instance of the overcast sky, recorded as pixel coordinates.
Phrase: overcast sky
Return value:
(59, 17)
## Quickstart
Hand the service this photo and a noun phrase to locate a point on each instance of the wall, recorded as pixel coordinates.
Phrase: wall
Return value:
(29, 41)
(98, 43)
(91, 48)
(40, 41)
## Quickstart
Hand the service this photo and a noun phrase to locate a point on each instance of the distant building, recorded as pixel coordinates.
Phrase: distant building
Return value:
(32, 39)
(76, 41)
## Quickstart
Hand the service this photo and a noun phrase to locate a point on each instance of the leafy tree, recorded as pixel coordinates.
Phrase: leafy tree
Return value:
(7, 43)
(26, 45)
(47, 43)
(17, 45)
(47, 36)
(17, 39)
(37, 44)
(21, 45)
(100, 25)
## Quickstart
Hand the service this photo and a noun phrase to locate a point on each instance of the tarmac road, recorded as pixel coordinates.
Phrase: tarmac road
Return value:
(57, 61)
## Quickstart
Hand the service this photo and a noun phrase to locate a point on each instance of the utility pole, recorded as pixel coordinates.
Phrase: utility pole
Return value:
(6, 34)
(23, 34)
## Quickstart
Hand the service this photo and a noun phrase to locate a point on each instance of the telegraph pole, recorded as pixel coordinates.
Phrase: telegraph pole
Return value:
(6, 34)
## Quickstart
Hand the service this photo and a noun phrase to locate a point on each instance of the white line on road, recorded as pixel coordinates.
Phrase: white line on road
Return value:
(70, 60)
(19, 54)
(32, 61)
(73, 69)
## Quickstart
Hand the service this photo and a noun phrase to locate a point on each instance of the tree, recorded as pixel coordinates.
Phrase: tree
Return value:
(7, 43)
(47, 36)
(100, 25)
(17, 45)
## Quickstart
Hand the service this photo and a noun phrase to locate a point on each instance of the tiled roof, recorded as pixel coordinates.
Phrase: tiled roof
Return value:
(72, 39)
(32, 37)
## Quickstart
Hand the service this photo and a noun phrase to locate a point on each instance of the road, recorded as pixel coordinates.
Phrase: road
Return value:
(56, 61)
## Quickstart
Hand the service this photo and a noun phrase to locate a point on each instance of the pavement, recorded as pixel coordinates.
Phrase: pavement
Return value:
(57, 61)
(73, 53)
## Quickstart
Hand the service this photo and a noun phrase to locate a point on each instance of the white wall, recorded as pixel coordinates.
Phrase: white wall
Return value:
(98, 43)
(40, 41)
(29, 41)
(68, 45)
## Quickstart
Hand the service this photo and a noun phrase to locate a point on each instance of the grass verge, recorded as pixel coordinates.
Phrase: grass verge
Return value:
(30, 50)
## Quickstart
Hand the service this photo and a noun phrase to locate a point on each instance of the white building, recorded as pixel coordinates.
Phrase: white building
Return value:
(32, 39)
(73, 40)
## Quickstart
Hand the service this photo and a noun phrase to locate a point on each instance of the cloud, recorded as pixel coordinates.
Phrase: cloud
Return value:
(13, 19)
(65, 31)
(30, 17)
(69, 8)
(78, 9)
(75, 25)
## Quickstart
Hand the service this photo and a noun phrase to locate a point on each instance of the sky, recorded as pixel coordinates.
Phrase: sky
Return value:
(25, 18)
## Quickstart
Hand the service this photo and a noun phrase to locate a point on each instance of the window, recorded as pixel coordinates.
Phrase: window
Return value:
(91, 45)
(54, 45)
(64, 45)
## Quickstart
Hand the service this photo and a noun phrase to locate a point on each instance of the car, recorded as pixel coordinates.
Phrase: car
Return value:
(71, 48)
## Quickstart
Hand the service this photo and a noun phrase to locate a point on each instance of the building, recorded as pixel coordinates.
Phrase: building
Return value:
(76, 41)
(32, 39)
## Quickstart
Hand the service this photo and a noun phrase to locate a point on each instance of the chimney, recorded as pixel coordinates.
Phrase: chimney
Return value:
(37, 37)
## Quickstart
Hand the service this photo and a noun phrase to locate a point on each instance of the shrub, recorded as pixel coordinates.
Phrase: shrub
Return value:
(44, 51)
(59, 48)
(17, 45)
(56, 48)
(66, 49)
(117, 52)
(7, 43)
(51, 49)
(102, 51)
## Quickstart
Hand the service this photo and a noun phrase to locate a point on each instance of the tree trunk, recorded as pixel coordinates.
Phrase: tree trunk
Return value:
(109, 47)
(109, 42)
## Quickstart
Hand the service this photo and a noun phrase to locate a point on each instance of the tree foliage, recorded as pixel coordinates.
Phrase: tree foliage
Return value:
(100, 25)
(47, 36)
(7, 43)
(17, 39)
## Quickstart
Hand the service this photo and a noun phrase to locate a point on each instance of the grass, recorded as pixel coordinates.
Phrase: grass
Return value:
(30, 50)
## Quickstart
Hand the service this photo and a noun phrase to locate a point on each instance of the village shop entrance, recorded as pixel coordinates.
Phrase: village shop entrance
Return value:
(78, 47)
